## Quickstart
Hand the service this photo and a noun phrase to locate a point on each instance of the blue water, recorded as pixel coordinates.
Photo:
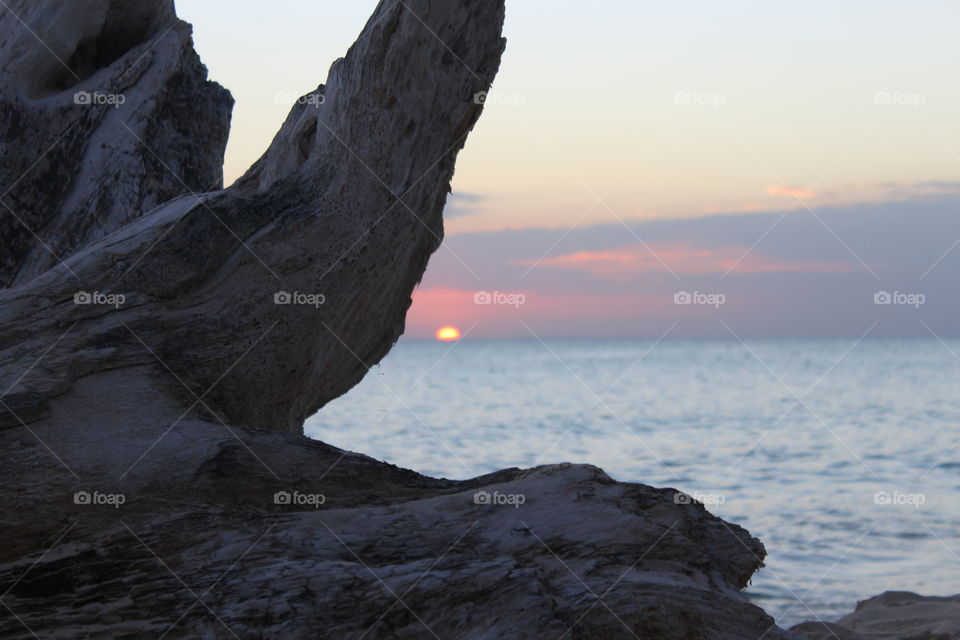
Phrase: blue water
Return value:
(719, 419)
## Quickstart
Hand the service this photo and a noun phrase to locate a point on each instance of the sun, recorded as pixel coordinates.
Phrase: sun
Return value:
(448, 334)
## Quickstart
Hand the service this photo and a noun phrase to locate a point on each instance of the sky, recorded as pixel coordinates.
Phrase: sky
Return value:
(790, 159)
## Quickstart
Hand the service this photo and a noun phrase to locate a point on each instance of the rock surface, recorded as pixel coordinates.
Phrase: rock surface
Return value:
(105, 113)
(344, 209)
(180, 535)
(893, 615)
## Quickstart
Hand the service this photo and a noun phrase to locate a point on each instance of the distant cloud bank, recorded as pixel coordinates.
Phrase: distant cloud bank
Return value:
(795, 272)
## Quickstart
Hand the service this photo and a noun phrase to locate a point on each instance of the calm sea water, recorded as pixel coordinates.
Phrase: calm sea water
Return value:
(794, 440)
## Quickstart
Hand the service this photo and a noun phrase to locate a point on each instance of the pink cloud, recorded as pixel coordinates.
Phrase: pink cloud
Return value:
(680, 258)
(571, 314)
(789, 192)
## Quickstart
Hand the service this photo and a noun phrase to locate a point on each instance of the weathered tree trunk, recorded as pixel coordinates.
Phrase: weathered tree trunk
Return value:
(120, 196)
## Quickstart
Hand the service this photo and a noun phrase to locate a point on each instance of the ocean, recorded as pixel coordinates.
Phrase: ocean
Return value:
(842, 456)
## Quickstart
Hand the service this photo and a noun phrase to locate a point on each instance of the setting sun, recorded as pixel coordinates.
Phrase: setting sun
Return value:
(448, 334)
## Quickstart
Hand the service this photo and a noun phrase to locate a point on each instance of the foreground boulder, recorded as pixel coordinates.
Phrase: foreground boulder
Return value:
(894, 615)
(162, 340)
(209, 531)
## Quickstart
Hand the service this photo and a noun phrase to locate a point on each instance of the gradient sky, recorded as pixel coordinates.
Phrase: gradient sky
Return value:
(622, 134)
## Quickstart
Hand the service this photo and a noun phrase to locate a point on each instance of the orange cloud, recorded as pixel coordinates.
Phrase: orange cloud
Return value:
(780, 190)
(679, 258)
